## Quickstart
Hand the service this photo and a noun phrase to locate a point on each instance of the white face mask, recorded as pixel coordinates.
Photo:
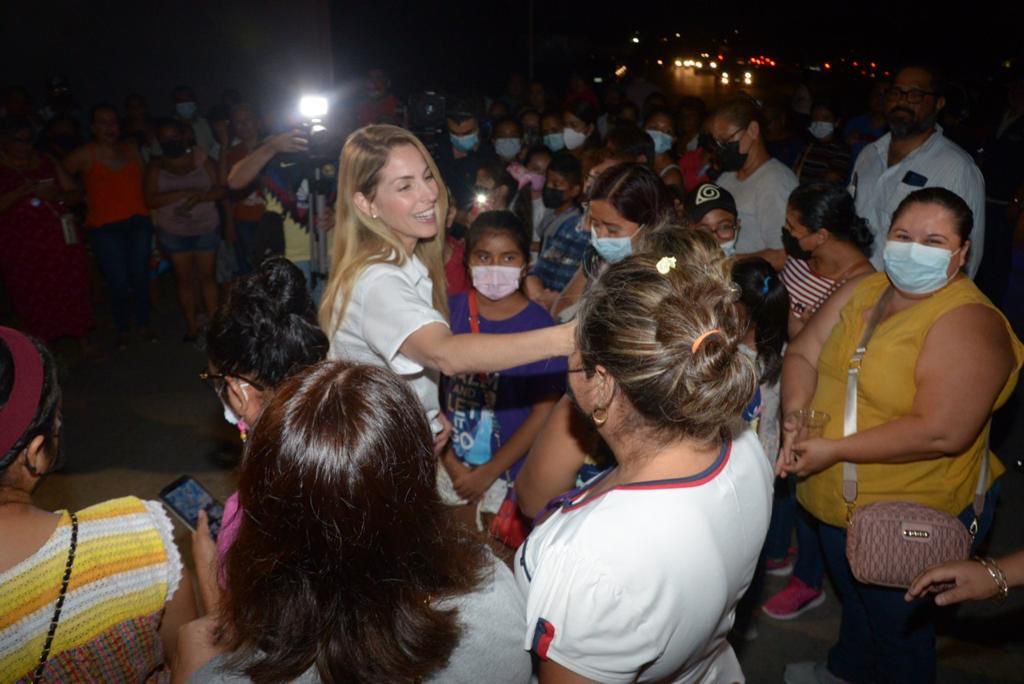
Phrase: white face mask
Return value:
(821, 129)
(729, 247)
(573, 138)
(230, 415)
(915, 268)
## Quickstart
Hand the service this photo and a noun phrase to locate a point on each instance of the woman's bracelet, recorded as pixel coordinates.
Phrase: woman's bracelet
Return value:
(997, 576)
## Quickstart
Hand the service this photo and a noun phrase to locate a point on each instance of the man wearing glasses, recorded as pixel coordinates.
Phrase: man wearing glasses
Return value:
(913, 155)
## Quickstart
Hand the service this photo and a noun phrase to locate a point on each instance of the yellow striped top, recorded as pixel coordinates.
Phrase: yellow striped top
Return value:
(126, 569)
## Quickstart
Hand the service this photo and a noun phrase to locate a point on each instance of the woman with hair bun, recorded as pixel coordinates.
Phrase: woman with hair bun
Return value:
(826, 245)
(265, 332)
(637, 574)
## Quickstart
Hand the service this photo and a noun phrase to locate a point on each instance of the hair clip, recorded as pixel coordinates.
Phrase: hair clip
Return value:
(700, 340)
(666, 264)
(766, 285)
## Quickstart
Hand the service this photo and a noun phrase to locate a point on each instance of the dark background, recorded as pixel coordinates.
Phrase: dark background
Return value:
(271, 51)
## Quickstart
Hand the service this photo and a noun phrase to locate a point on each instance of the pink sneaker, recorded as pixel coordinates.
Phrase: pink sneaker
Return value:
(797, 598)
(779, 567)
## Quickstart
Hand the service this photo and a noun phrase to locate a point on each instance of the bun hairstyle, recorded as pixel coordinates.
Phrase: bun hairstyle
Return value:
(830, 206)
(649, 330)
(43, 422)
(267, 328)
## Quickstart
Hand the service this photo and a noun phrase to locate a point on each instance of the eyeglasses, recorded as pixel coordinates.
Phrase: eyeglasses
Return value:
(913, 96)
(725, 230)
(717, 144)
(217, 380)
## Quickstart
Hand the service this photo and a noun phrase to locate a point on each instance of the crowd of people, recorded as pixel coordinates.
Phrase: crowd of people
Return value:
(568, 383)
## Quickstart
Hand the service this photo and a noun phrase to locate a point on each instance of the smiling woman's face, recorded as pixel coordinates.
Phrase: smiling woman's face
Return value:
(406, 196)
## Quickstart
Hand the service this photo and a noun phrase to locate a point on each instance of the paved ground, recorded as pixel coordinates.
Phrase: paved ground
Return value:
(139, 418)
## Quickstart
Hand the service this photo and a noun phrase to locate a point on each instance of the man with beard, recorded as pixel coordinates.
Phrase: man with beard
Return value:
(913, 155)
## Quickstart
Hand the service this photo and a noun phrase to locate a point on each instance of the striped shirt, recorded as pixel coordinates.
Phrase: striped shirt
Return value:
(126, 569)
(878, 188)
(807, 290)
(562, 251)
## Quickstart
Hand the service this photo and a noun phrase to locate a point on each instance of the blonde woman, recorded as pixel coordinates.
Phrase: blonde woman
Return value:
(385, 303)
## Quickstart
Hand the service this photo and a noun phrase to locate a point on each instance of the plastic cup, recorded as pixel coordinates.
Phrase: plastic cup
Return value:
(811, 423)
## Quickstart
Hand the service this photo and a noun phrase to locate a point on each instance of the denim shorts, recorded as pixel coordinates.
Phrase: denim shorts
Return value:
(174, 244)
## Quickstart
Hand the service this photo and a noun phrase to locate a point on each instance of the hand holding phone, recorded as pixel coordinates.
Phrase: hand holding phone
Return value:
(185, 497)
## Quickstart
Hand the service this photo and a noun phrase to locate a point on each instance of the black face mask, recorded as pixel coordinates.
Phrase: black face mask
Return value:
(729, 158)
(174, 149)
(553, 198)
(793, 248)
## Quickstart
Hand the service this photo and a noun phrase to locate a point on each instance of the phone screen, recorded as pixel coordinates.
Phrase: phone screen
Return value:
(186, 497)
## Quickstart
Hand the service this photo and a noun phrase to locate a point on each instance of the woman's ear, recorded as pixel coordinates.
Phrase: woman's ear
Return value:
(962, 256)
(364, 204)
(604, 390)
(37, 461)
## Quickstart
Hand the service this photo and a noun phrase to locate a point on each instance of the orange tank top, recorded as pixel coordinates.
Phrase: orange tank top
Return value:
(113, 194)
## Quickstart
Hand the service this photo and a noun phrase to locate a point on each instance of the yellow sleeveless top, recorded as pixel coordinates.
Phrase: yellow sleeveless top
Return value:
(885, 391)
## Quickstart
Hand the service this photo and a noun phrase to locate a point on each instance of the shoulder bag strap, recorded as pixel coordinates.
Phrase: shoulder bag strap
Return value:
(850, 411)
(45, 655)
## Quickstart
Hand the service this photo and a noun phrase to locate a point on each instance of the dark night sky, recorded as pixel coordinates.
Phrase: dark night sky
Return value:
(476, 42)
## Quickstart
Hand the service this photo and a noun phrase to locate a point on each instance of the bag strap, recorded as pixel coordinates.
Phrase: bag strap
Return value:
(45, 655)
(850, 419)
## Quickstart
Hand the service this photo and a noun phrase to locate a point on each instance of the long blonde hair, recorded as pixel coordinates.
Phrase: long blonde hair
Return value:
(361, 240)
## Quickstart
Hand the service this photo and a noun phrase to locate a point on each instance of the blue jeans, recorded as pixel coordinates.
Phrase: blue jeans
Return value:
(787, 513)
(882, 638)
(123, 249)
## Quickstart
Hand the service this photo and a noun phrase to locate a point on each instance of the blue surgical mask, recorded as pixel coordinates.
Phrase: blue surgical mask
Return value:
(465, 143)
(915, 268)
(507, 148)
(612, 250)
(662, 141)
(554, 142)
(186, 110)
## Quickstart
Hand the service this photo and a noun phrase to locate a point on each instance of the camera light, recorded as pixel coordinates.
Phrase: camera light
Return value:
(481, 198)
(313, 106)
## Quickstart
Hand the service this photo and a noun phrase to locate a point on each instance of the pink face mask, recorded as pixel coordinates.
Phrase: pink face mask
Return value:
(496, 282)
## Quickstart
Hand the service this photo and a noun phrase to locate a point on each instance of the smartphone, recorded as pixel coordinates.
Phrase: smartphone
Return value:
(185, 497)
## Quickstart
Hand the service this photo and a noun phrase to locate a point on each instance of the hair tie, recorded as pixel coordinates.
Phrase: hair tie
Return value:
(665, 264)
(766, 284)
(17, 414)
(697, 342)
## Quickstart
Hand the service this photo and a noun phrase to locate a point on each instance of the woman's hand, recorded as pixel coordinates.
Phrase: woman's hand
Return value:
(790, 427)
(289, 141)
(204, 553)
(972, 583)
(811, 456)
(472, 483)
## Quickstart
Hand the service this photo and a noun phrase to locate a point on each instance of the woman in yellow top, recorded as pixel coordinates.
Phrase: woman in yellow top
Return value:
(941, 360)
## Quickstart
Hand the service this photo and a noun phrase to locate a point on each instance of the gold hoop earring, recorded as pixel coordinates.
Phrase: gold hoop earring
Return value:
(600, 416)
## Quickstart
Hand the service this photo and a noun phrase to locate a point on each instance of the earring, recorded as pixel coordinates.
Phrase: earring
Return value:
(599, 416)
(243, 430)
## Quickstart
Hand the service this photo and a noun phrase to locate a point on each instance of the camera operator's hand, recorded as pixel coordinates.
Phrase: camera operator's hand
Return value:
(290, 141)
